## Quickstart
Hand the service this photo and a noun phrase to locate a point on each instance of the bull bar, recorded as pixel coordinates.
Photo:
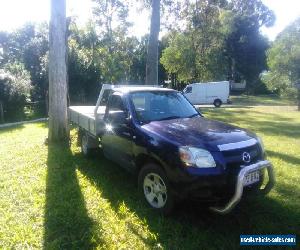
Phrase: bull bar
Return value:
(240, 187)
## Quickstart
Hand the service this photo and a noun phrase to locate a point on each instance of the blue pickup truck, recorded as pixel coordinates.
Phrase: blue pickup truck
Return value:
(176, 152)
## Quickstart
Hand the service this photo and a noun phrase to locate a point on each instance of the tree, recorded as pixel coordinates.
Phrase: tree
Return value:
(34, 56)
(196, 53)
(111, 15)
(83, 68)
(58, 118)
(245, 46)
(28, 45)
(284, 61)
(113, 53)
(245, 49)
(152, 51)
(219, 40)
(179, 58)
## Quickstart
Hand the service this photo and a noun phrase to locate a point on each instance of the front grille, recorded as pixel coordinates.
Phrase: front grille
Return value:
(234, 158)
(234, 161)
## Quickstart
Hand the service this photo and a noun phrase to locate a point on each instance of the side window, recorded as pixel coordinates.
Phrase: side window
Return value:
(116, 103)
(139, 102)
(188, 90)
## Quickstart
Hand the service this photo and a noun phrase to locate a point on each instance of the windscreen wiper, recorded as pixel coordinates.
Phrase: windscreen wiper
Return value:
(170, 118)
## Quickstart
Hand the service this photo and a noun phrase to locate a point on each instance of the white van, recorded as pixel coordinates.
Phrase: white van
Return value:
(215, 93)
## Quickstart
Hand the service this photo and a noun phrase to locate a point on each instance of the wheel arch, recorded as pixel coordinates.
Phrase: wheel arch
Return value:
(143, 159)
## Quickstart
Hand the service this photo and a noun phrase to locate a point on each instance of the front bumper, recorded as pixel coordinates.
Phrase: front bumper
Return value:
(239, 185)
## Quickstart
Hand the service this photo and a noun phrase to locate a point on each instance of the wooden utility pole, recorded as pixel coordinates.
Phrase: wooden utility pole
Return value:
(152, 52)
(58, 118)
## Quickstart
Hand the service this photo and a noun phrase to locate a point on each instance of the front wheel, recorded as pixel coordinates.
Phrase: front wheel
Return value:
(154, 187)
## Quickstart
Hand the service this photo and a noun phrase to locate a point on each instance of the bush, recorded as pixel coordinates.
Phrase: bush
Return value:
(15, 85)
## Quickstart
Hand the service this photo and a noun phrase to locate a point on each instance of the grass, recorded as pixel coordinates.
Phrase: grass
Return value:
(264, 100)
(54, 198)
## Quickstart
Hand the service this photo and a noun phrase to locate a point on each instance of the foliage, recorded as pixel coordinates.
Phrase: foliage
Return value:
(258, 13)
(84, 74)
(111, 15)
(245, 49)
(15, 85)
(245, 46)
(28, 45)
(196, 54)
(179, 58)
(220, 40)
(284, 61)
(91, 63)
(111, 21)
(35, 58)
(54, 198)
(206, 40)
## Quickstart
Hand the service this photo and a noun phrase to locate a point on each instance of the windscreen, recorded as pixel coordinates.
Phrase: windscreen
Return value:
(161, 105)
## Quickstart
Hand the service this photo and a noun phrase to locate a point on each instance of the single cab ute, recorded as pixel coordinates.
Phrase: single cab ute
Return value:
(175, 151)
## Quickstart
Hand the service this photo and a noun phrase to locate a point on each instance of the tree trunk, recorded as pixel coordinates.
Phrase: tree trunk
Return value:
(47, 102)
(233, 69)
(1, 113)
(152, 53)
(58, 118)
(68, 21)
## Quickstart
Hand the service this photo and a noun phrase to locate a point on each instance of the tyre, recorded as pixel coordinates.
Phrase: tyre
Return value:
(88, 144)
(155, 189)
(217, 103)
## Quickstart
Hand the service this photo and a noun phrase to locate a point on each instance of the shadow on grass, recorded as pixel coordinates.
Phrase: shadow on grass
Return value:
(261, 100)
(191, 226)
(288, 158)
(269, 123)
(67, 225)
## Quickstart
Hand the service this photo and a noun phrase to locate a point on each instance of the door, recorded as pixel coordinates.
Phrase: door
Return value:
(198, 94)
(117, 140)
(201, 93)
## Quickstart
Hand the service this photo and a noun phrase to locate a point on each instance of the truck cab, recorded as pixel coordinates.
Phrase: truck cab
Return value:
(176, 152)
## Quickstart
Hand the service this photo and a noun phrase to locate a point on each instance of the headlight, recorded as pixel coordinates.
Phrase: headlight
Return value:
(261, 143)
(196, 157)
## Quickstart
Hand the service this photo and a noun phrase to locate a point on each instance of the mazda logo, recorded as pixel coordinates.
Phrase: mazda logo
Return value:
(246, 157)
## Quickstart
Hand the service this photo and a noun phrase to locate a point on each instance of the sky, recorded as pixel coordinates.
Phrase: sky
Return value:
(14, 13)
(286, 11)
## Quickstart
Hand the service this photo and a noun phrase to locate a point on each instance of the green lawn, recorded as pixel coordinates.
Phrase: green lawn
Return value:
(54, 198)
(265, 100)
